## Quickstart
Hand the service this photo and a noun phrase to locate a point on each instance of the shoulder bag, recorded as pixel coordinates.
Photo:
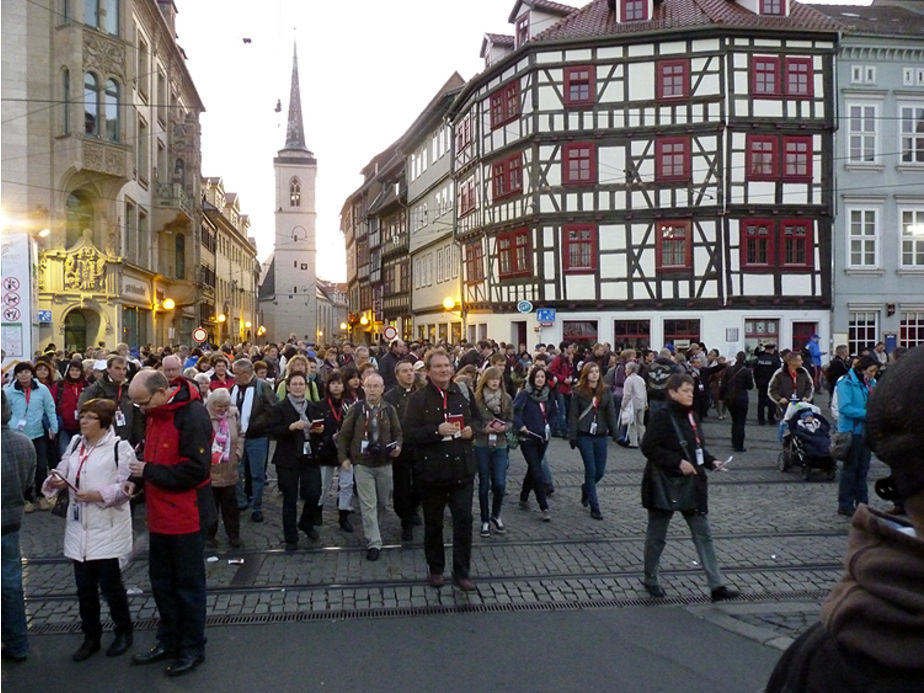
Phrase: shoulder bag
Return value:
(840, 445)
(671, 492)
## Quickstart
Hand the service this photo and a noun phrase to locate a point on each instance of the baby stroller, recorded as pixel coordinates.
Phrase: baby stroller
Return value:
(806, 437)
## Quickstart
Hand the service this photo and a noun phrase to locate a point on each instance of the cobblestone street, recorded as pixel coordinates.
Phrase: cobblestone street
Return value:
(778, 540)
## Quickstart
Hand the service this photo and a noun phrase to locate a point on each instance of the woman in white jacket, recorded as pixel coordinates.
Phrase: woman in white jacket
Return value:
(634, 394)
(98, 527)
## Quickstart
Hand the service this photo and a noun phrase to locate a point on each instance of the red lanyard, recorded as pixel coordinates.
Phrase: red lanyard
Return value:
(795, 376)
(594, 402)
(445, 396)
(695, 432)
(336, 414)
(28, 394)
(83, 454)
(542, 409)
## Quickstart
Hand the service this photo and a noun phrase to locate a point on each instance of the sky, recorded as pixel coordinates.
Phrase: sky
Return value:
(366, 69)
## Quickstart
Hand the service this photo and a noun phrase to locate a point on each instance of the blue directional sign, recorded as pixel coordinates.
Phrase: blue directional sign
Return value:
(545, 314)
(44, 316)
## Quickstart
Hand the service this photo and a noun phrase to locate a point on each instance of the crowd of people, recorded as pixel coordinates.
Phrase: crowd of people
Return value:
(190, 432)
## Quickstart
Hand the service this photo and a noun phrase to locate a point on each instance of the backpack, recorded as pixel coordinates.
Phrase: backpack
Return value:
(658, 375)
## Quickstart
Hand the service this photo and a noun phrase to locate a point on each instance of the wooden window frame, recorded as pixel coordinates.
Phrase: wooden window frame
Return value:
(505, 104)
(474, 262)
(568, 154)
(765, 4)
(806, 240)
(625, 4)
(467, 202)
(464, 133)
(580, 74)
(515, 239)
(592, 242)
(788, 141)
(507, 177)
(745, 237)
(777, 71)
(663, 143)
(774, 157)
(687, 250)
(809, 65)
(521, 29)
(662, 67)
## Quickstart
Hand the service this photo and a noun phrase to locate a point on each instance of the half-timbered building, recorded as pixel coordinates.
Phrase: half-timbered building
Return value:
(657, 171)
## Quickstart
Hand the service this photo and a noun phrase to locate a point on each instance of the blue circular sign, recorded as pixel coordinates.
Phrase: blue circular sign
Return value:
(525, 306)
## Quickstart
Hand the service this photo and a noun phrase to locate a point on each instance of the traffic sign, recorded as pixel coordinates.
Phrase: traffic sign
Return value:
(44, 316)
(545, 314)
(525, 306)
(200, 334)
(390, 332)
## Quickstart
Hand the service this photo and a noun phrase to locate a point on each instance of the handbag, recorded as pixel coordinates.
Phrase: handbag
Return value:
(669, 492)
(840, 445)
(513, 439)
(62, 504)
(627, 415)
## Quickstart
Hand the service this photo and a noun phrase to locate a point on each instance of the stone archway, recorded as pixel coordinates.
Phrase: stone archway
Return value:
(81, 327)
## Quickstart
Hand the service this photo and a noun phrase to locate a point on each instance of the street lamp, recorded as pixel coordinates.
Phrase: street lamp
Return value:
(364, 321)
(221, 317)
(169, 304)
(344, 327)
(449, 303)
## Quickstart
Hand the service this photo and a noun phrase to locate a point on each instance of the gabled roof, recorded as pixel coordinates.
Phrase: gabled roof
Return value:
(501, 40)
(541, 5)
(596, 20)
(880, 19)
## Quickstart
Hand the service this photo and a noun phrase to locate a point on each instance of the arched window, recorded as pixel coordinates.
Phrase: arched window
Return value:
(79, 216)
(295, 193)
(91, 104)
(111, 105)
(65, 101)
(180, 248)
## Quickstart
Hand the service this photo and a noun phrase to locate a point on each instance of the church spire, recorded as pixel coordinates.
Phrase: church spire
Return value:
(295, 131)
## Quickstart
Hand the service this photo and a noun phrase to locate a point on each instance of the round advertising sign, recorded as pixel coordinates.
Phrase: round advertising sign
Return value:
(525, 306)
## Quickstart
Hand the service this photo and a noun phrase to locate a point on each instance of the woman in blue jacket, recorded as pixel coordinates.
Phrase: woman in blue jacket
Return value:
(32, 405)
(533, 412)
(853, 391)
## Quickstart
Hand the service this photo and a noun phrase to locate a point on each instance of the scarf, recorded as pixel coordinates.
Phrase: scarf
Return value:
(300, 405)
(222, 442)
(541, 396)
(492, 400)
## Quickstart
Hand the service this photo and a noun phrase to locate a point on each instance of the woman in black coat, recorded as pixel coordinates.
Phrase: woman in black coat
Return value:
(296, 466)
(737, 381)
(675, 479)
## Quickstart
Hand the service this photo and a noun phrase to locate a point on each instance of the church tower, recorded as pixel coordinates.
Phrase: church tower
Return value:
(288, 289)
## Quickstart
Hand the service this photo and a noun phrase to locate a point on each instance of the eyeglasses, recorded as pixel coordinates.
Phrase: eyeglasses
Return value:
(89, 417)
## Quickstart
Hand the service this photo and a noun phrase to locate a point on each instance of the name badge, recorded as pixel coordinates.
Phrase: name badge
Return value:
(306, 449)
(119, 418)
(75, 512)
(492, 439)
(548, 432)
(76, 415)
(593, 428)
(700, 461)
(21, 425)
(363, 445)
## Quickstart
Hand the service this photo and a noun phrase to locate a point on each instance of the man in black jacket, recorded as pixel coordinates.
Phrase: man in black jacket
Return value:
(767, 363)
(439, 427)
(837, 368)
(113, 385)
(406, 498)
(396, 351)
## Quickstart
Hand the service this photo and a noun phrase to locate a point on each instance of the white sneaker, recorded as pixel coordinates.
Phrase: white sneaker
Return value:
(27, 507)
(545, 516)
(486, 529)
(499, 525)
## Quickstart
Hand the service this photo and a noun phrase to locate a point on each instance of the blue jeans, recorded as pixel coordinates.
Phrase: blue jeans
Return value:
(853, 487)
(560, 424)
(492, 476)
(14, 607)
(64, 439)
(255, 453)
(593, 453)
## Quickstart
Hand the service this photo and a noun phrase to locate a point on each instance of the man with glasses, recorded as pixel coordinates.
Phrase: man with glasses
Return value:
(176, 460)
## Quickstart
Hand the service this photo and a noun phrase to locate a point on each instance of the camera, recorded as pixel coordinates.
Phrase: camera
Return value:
(374, 450)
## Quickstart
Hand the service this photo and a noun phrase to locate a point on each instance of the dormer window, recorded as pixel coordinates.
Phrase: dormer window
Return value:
(522, 29)
(634, 10)
(773, 7)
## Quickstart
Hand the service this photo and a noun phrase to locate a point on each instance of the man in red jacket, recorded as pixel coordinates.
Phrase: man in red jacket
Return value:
(176, 461)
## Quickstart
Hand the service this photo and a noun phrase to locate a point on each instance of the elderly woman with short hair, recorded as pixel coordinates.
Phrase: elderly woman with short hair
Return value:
(227, 448)
(634, 394)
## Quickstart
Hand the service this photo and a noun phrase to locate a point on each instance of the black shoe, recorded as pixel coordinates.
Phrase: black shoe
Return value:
(157, 653)
(184, 665)
(549, 490)
(373, 554)
(845, 512)
(308, 528)
(291, 546)
(655, 591)
(120, 645)
(761, 423)
(596, 514)
(720, 594)
(584, 499)
(256, 516)
(407, 533)
(10, 657)
(235, 542)
(211, 543)
(345, 521)
(415, 520)
(464, 584)
(318, 516)
(739, 449)
(89, 646)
